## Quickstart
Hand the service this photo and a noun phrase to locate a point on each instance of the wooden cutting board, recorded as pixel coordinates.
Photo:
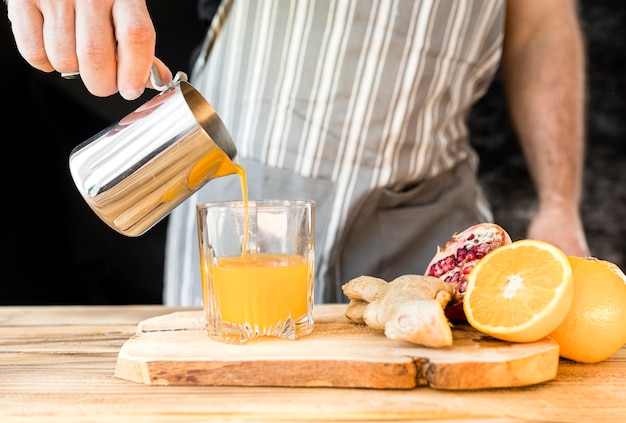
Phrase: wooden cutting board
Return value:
(174, 349)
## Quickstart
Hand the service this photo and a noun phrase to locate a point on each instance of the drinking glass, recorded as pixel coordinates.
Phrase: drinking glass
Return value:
(257, 261)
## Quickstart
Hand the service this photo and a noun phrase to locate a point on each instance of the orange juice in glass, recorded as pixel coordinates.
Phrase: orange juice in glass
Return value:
(257, 264)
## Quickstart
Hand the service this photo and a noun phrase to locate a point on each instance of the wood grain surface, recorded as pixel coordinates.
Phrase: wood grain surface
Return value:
(174, 349)
(57, 365)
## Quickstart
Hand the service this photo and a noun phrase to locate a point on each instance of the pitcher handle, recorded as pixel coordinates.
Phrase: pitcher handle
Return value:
(155, 79)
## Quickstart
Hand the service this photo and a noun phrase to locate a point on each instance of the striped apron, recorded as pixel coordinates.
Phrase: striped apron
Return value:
(360, 105)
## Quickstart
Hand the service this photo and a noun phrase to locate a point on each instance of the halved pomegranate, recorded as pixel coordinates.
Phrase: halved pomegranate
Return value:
(453, 262)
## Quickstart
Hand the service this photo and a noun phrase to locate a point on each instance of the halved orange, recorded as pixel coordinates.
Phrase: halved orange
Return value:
(519, 292)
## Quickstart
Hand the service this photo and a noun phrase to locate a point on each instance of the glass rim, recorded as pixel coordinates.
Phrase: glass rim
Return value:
(256, 203)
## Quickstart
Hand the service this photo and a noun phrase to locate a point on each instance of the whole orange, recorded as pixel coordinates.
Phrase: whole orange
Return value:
(595, 326)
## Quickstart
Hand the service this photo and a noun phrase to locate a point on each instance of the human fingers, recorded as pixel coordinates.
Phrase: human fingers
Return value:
(111, 42)
(59, 34)
(136, 41)
(563, 229)
(27, 26)
(96, 46)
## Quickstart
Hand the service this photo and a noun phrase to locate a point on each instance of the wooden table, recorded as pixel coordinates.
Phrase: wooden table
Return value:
(57, 365)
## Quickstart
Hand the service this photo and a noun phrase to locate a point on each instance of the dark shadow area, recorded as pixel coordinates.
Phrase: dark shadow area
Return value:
(54, 250)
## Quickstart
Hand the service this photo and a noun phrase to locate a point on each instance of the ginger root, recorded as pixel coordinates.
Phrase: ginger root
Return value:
(409, 308)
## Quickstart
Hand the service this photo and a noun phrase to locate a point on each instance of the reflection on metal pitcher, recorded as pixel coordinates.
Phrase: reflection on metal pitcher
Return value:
(135, 172)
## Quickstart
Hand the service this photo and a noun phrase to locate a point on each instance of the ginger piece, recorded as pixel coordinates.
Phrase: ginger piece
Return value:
(409, 308)
(361, 291)
(355, 310)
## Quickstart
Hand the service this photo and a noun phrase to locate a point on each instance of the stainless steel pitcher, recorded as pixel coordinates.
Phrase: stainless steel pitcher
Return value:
(135, 172)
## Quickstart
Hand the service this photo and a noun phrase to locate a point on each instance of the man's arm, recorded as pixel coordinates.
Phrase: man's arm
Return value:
(544, 79)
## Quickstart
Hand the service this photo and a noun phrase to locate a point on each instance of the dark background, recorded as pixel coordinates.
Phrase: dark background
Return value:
(54, 250)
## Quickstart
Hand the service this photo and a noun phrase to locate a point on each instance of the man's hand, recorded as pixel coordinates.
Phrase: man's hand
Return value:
(111, 42)
(561, 228)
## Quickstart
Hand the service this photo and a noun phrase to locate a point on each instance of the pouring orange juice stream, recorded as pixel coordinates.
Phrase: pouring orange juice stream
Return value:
(259, 289)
